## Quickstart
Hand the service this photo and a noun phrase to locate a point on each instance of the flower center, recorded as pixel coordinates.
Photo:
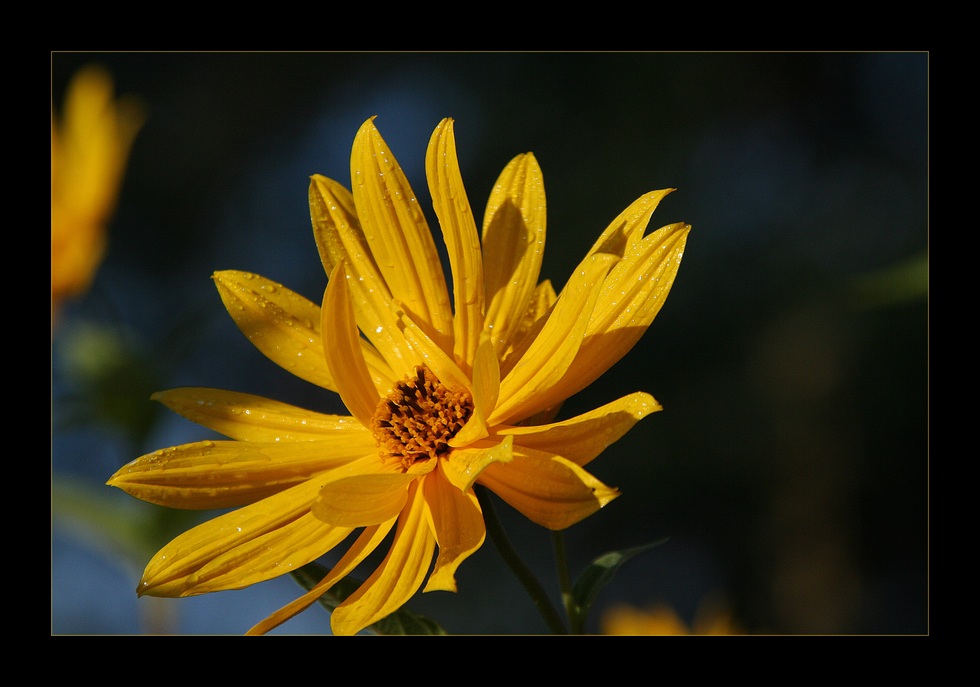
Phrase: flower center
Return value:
(418, 418)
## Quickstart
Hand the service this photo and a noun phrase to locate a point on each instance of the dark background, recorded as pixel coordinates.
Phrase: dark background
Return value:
(789, 468)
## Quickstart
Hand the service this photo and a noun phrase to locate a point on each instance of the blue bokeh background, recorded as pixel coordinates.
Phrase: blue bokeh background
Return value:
(789, 468)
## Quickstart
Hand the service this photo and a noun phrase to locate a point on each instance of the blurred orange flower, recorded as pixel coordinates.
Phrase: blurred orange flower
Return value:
(90, 146)
(661, 619)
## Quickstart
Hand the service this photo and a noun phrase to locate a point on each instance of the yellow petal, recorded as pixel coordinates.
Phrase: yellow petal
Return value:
(279, 322)
(252, 418)
(541, 304)
(582, 438)
(485, 390)
(627, 229)
(464, 465)
(223, 474)
(513, 245)
(366, 542)
(458, 525)
(462, 241)
(339, 239)
(400, 240)
(631, 296)
(398, 577)
(248, 545)
(362, 500)
(527, 388)
(549, 490)
(342, 350)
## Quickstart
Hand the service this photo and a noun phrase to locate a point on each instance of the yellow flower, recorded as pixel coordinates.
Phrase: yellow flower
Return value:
(442, 394)
(662, 620)
(89, 150)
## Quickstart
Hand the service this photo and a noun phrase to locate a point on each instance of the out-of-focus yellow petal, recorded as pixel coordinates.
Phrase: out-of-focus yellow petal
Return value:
(457, 522)
(395, 228)
(513, 245)
(279, 322)
(342, 350)
(465, 464)
(582, 438)
(547, 489)
(253, 418)
(527, 388)
(631, 297)
(398, 577)
(366, 542)
(223, 474)
(245, 546)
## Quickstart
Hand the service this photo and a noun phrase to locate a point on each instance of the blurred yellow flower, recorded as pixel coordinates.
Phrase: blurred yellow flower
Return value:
(661, 619)
(442, 393)
(89, 149)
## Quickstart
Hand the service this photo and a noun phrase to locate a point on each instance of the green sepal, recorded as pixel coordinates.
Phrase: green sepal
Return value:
(401, 622)
(600, 572)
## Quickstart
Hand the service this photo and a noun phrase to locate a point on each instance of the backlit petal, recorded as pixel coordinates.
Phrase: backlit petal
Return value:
(462, 241)
(458, 525)
(527, 388)
(395, 228)
(253, 418)
(582, 438)
(222, 474)
(279, 322)
(398, 577)
(464, 465)
(547, 489)
(629, 226)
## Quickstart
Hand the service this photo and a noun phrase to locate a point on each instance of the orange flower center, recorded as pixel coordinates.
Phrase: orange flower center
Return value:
(418, 418)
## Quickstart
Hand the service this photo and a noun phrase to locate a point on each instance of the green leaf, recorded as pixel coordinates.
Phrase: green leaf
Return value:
(401, 622)
(600, 572)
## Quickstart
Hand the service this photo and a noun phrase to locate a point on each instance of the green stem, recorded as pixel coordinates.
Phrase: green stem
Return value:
(513, 560)
(576, 619)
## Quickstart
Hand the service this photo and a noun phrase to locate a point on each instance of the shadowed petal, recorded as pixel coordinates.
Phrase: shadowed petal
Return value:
(398, 577)
(582, 438)
(548, 489)
(279, 322)
(458, 525)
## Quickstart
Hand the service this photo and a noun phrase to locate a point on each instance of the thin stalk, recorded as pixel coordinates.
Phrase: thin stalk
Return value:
(576, 619)
(514, 562)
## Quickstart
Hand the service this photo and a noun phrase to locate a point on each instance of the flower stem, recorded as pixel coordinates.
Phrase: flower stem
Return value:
(576, 619)
(513, 560)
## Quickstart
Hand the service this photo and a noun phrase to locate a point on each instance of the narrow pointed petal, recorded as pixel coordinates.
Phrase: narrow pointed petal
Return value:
(224, 474)
(465, 464)
(513, 245)
(628, 228)
(342, 350)
(462, 240)
(336, 229)
(548, 489)
(253, 418)
(542, 302)
(631, 296)
(400, 240)
(527, 388)
(247, 545)
(279, 322)
(398, 577)
(368, 541)
(458, 525)
(582, 438)
(485, 390)
(425, 351)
